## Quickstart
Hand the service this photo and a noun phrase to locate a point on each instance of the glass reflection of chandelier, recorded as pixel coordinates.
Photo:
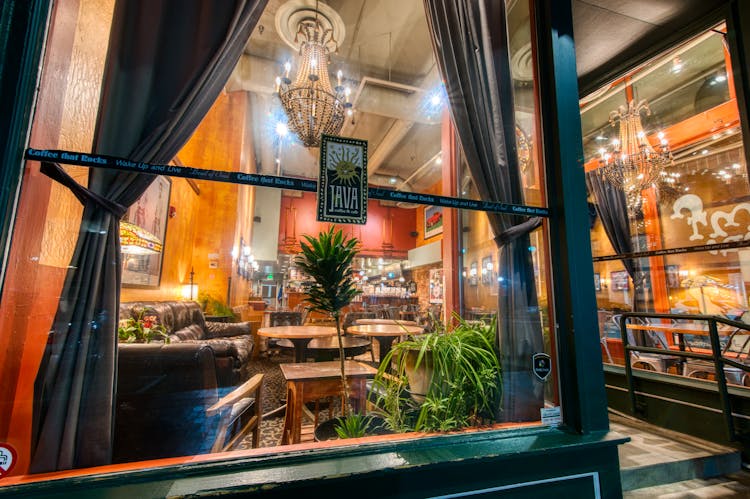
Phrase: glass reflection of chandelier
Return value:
(633, 164)
(312, 106)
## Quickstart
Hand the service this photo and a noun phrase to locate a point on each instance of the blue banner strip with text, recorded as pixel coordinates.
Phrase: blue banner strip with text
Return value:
(111, 162)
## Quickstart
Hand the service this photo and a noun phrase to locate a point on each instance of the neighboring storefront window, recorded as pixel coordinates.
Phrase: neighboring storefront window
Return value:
(699, 197)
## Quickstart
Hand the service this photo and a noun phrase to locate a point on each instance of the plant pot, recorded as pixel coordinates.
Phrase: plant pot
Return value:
(419, 377)
(327, 429)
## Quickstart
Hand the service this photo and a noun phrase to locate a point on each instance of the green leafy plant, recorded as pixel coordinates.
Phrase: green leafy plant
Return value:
(353, 426)
(327, 260)
(143, 328)
(213, 306)
(463, 376)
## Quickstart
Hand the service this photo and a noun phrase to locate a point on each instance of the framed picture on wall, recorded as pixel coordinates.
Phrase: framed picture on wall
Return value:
(619, 280)
(142, 236)
(433, 221)
(597, 282)
(473, 279)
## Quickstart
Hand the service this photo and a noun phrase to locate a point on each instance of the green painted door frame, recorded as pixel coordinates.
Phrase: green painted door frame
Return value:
(580, 361)
(22, 32)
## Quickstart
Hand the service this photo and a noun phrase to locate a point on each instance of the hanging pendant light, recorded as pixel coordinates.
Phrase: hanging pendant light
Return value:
(633, 164)
(313, 106)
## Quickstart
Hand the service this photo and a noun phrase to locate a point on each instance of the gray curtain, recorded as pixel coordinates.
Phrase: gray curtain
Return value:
(611, 207)
(471, 47)
(166, 64)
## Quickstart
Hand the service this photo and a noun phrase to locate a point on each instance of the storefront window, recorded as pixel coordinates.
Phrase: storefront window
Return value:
(150, 353)
(697, 198)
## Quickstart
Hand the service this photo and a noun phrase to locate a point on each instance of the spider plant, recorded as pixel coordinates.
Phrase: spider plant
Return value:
(327, 260)
(464, 376)
(353, 426)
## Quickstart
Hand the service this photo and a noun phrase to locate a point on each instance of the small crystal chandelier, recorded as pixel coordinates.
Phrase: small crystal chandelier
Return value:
(311, 104)
(633, 164)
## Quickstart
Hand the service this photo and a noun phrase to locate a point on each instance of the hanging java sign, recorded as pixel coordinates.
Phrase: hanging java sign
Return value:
(342, 188)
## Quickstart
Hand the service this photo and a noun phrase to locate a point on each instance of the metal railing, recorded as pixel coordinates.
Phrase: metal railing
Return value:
(716, 356)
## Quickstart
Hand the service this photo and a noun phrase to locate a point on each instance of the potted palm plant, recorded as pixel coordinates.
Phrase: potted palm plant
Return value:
(441, 381)
(327, 260)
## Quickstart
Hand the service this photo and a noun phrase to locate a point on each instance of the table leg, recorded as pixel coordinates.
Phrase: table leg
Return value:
(290, 417)
(300, 348)
(385, 343)
(295, 398)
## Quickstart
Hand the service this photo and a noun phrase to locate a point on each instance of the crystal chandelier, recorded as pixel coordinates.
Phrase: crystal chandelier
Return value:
(312, 106)
(633, 164)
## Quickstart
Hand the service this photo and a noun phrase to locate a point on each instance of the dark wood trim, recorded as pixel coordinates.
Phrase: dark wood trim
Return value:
(22, 34)
(738, 41)
(192, 183)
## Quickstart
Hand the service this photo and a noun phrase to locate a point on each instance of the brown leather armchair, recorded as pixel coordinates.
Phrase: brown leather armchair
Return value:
(168, 403)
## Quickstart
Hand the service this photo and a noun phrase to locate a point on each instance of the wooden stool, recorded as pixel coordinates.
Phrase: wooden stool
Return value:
(311, 381)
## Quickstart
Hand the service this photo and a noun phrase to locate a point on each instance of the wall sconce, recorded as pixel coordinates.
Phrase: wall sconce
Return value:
(605, 283)
(190, 290)
(246, 263)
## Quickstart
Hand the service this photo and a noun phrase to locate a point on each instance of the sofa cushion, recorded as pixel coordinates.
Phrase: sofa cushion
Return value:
(190, 332)
(226, 329)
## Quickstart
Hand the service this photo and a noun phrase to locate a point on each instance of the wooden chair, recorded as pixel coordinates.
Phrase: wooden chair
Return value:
(282, 319)
(239, 413)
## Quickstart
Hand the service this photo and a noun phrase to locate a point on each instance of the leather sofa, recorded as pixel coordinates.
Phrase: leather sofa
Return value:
(232, 342)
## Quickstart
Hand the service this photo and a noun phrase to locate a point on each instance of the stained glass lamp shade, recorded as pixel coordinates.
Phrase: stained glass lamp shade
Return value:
(135, 240)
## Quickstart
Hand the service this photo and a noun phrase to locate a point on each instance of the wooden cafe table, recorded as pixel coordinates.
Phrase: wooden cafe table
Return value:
(309, 381)
(385, 333)
(678, 331)
(300, 336)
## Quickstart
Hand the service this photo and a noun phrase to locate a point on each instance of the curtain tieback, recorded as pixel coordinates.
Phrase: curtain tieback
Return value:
(56, 173)
(513, 233)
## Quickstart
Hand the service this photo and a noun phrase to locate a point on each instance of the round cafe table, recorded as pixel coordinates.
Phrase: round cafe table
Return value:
(384, 333)
(300, 336)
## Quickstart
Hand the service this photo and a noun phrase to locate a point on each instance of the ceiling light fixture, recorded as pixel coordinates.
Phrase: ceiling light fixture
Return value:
(311, 104)
(677, 65)
(633, 164)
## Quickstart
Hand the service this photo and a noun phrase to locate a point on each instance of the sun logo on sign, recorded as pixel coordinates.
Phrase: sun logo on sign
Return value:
(345, 162)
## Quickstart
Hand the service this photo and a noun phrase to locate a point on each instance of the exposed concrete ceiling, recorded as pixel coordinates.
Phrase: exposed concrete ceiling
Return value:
(386, 57)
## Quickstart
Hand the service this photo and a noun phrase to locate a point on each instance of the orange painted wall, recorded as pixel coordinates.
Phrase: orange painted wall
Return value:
(47, 217)
(204, 223)
(387, 232)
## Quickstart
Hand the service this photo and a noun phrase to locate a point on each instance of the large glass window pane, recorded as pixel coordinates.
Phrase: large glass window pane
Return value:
(697, 199)
(207, 266)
